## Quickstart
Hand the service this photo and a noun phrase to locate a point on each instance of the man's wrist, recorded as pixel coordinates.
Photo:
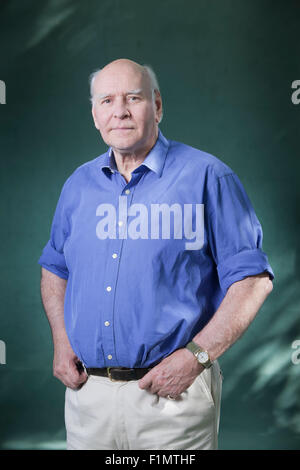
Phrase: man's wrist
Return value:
(201, 355)
(197, 367)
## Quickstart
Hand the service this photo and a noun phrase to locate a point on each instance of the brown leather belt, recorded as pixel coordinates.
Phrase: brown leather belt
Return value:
(118, 373)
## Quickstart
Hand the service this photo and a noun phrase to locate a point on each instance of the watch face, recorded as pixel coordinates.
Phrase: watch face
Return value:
(202, 357)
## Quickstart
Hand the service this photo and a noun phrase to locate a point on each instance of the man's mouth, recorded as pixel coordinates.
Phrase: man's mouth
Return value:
(122, 128)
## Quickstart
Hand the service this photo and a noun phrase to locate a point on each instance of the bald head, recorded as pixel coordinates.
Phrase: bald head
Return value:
(123, 64)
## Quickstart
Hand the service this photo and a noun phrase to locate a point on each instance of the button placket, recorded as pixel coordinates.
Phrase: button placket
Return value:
(111, 287)
(107, 308)
(107, 323)
(113, 268)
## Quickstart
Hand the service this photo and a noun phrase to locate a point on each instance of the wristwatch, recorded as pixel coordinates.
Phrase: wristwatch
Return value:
(200, 354)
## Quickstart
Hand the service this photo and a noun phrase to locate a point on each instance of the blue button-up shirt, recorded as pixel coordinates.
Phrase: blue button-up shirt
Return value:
(149, 261)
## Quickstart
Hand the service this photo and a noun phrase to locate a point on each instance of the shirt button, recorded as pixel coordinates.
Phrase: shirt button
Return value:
(108, 288)
(120, 223)
(109, 356)
(127, 191)
(106, 323)
(114, 255)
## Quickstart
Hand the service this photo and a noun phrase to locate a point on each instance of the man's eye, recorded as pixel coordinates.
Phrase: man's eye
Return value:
(134, 98)
(106, 101)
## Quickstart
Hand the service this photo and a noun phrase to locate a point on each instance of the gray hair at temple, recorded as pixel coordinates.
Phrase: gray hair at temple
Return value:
(148, 70)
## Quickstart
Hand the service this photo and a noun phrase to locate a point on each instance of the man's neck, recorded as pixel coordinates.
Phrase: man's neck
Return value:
(127, 161)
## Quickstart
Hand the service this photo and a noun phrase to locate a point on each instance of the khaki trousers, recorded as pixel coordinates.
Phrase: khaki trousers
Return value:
(120, 416)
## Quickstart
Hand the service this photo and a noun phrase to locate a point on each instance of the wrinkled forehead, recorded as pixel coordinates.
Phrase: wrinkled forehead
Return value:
(119, 80)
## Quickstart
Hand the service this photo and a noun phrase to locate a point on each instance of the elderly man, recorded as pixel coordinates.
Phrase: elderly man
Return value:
(153, 269)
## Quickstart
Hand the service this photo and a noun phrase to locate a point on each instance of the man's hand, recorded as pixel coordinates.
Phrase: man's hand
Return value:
(65, 367)
(173, 375)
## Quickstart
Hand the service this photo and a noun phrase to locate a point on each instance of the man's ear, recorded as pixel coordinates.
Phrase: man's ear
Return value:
(158, 106)
(95, 118)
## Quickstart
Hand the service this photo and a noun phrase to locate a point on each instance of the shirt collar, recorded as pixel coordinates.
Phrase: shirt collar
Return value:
(154, 160)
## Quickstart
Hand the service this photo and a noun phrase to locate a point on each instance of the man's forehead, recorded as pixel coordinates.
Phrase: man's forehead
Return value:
(119, 79)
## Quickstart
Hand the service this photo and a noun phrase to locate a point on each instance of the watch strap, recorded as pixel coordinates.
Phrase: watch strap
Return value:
(195, 349)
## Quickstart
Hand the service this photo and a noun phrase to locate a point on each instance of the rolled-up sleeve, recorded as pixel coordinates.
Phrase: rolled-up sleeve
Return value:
(234, 232)
(52, 257)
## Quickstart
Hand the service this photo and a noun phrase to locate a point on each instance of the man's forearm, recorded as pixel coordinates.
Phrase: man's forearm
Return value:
(235, 313)
(175, 373)
(65, 360)
(53, 293)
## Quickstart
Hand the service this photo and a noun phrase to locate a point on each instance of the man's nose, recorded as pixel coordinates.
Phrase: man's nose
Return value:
(121, 110)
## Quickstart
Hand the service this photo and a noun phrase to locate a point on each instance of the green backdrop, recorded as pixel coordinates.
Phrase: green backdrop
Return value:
(225, 69)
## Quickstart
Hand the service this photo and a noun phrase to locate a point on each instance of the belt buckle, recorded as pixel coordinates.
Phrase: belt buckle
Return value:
(109, 374)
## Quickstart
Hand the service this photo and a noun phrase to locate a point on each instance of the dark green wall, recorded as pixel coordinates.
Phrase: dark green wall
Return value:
(225, 69)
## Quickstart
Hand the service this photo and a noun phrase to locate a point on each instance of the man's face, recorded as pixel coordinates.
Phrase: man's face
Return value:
(123, 109)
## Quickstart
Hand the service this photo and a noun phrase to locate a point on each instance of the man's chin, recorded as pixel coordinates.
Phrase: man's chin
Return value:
(123, 145)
